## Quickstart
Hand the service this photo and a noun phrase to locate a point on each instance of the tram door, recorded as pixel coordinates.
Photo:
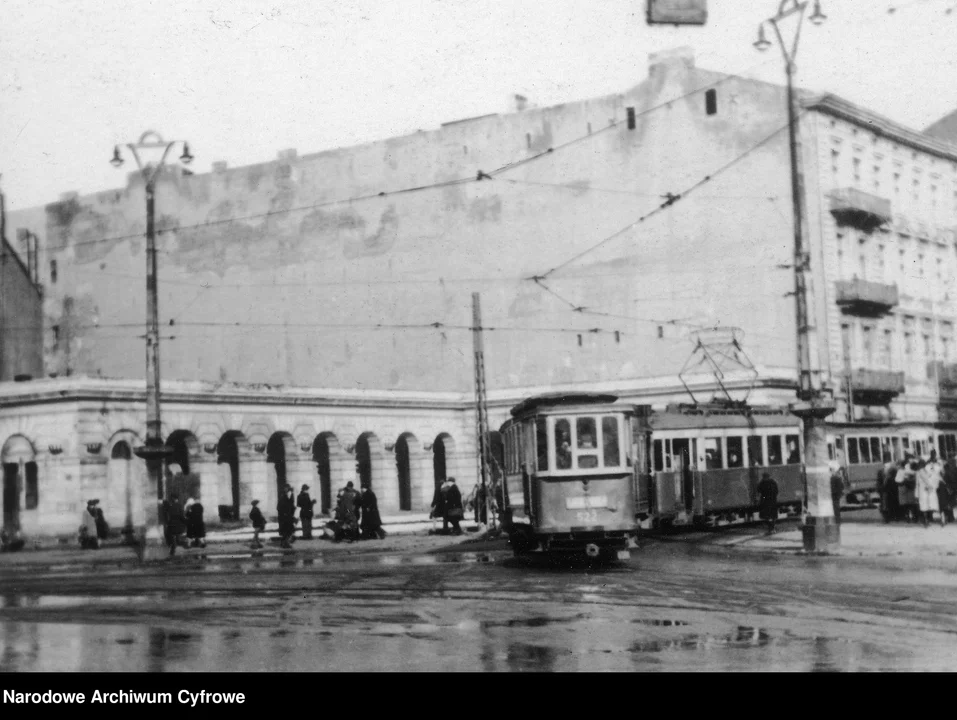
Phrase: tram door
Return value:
(681, 453)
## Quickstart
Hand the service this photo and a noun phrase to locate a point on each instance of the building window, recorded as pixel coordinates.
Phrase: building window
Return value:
(846, 345)
(857, 170)
(868, 346)
(53, 272)
(946, 341)
(711, 101)
(887, 342)
(835, 161)
(928, 347)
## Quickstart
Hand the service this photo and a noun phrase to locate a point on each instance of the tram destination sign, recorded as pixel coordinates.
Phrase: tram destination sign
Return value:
(586, 501)
(677, 12)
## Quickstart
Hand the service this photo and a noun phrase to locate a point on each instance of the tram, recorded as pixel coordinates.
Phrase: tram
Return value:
(707, 460)
(570, 474)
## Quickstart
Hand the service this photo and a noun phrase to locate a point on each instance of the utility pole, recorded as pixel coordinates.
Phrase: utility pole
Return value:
(154, 451)
(481, 406)
(820, 530)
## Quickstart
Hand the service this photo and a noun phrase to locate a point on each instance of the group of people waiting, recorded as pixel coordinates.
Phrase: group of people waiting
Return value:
(356, 516)
(914, 489)
(183, 524)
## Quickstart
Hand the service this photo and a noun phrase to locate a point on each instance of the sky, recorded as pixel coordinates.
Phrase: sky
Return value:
(242, 80)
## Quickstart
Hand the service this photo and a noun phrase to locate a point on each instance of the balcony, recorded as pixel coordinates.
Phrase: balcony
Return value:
(862, 297)
(851, 206)
(876, 387)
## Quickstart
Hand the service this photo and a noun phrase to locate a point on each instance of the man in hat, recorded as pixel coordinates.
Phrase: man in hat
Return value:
(259, 524)
(305, 505)
(174, 521)
(102, 529)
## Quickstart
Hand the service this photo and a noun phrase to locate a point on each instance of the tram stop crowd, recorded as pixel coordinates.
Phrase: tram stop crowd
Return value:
(918, 489)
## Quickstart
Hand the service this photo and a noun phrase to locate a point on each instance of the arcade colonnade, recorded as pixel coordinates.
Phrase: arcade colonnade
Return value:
(74, 447)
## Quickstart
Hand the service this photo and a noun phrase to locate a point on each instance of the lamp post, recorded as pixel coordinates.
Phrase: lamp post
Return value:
(154, 452)
(820, 529)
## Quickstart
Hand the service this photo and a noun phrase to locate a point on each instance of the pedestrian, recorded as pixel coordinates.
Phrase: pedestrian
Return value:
(768, 501)
(887, 488)
(348, 529)
(87, 533)
(102, 529)
(371, 520)
(838, 489)
(906, 487)
(950, 482)
(195, 524)
(356, 504)
(453, 507)
(259, 524)
(481, 506)
(286, 509)
(306, 511)
(929, 479)
(174, 522)
(439, 503)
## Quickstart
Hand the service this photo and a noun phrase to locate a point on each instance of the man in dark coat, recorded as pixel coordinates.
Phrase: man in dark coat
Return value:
(346, 512)
(286, 509)
(768, 501)
(453, 507)
(305, 504)
(439, 502)
(102, 529)
(259, 524)
(950, 482)
(838, 489)
(195, 525)
(174, 522)
(371, 521)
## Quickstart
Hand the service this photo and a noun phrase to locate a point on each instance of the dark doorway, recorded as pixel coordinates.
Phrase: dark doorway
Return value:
(439, 460)
(11, 497)
(364, 462)
(180, 456)
(320, 453)
(228, 454)
(405, 473)
(276, 454)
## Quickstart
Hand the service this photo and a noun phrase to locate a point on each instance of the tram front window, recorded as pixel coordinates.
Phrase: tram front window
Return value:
(609, 441)
(794, 450)
(563, 444)
(586, 431)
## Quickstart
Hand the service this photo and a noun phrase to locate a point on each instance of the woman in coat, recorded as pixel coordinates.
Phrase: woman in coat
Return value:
(371, 520)
(286, 509)
(929, 479)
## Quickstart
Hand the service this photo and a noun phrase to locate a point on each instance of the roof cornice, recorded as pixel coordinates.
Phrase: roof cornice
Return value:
(846, 110)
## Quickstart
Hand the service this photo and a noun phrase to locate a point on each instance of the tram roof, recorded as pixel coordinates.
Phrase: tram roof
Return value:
(561, 399)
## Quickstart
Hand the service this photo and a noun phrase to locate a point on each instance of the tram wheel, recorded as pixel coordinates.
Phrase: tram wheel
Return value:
(521, 541)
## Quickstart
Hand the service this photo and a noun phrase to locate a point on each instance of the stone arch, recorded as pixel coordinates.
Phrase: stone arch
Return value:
(443, 449)
(21, 492)
(407, 463)
(126, 483)
(330, 459)
(369, 465)
(180, 477)
(234, 488)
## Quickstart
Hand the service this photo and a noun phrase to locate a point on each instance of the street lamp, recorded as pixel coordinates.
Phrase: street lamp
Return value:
(154, 452)
(820, 529)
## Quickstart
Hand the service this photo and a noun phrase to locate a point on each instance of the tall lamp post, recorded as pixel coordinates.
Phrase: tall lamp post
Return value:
(821, 531)
(154, 451)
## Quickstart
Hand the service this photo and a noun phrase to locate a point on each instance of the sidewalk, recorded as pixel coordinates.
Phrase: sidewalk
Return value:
(863, 534)
(405, 533)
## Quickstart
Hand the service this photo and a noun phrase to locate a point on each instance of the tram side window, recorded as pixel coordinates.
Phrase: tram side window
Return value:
(755, 451)
(735, 452)
(775, 456)
(563, 444)
(712, 454)
(541, 437)
(896, 448)
(853, 458)
(794, 449)
(659, 456)
(865, 451)
(876, 450)
(609, 441)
